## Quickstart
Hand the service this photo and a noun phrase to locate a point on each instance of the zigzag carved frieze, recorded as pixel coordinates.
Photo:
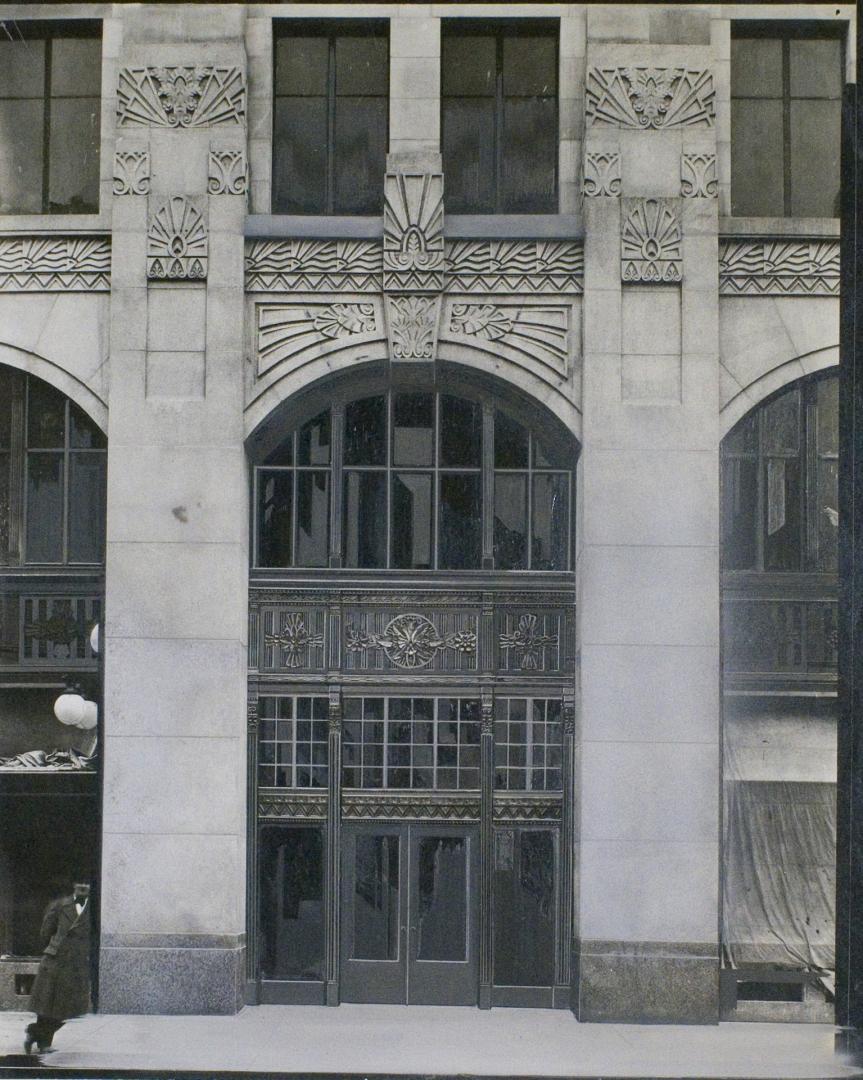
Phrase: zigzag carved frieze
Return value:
(55, 264)
(755, 267)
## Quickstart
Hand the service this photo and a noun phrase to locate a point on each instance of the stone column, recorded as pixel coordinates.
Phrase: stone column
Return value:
(173, 915)
(647, 749)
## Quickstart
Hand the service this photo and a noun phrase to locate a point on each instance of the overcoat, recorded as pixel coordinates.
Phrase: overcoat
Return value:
(62, 986)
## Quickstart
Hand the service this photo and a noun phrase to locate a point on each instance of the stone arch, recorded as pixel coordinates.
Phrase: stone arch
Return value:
(59, 378)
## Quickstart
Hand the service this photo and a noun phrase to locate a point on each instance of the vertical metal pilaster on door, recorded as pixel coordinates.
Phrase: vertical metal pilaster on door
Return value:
(563, 959)
(251, 994)
(334, 828)
(486, 849)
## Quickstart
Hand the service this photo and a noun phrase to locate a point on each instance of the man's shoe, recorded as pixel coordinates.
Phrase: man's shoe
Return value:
(29, 1040)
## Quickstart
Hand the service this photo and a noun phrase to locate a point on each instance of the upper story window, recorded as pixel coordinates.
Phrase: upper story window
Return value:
(50, 89)
(786, 88)
(780, 482)
(418, 481)
(499, 127)
(52, 476)
(331, 116)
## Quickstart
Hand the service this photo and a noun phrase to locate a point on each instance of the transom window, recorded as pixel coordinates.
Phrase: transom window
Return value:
(527, 744)
(499, 116)
(50, 92)
(292, 741)
(780, 507)
(330, 117)
(786, 88)
(427, 481)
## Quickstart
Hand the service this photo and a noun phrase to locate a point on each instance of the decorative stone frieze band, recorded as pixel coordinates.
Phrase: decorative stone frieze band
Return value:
(181, 96)
(55, 264)
(275, 266)
(755, 267)
(177, 241)
(227, 172)
(132, 172)
(648, 97)
(650, 243)
(515, 266)
(602, 174)
(698, 176)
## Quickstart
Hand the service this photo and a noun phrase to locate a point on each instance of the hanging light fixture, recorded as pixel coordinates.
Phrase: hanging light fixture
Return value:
(70, 707)
(94, 639)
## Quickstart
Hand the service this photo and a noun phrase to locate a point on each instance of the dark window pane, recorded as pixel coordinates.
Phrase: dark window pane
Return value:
(292, 903)
(756, 158)
(376, 898)
(739, 513)
(83, 433)
(528, 180)
(550, 522)
(301, 66)
(73, 155)
(442, 908)
(529, 65)
(551, 453)
(6, 524)
(413, 429)
(21, 157)
(781, 424)
(44, 541)
(815, 67)
(86, 507)
(313, 518)
(362, 65)
(360, 155)
(743, 437)
(815, 143)
(364, 528)
(314, 441)
(22, 70)
(468, 65)
(782, 514)
(510, 521)
(365, 432)
(300, 156)
(460, 432)
(827, 416)
(524, 870)
(460, 521)
(10, 384)
(826, 507)
(467, 142)
(46, 416)
(275, 517)
(756, 67)
(412, 541)
(510, 443)
(76, 67)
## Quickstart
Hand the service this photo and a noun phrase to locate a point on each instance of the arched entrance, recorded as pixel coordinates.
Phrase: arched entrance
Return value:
(411, 671)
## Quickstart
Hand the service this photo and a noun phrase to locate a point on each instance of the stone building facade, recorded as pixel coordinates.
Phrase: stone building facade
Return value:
(410, 672)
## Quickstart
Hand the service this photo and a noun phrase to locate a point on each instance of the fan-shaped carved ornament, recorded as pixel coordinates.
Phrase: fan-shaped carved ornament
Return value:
(651, 243)
(177, 242)
(181, 96)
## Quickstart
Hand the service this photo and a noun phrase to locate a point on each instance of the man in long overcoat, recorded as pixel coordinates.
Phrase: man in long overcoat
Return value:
(62, 986)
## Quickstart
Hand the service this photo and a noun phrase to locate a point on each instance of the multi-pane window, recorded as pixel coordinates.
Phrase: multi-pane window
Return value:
(50, 89)
(426, 480)
(411, 742)
(330, 120)
(292, 741)
(52, 476)
(786, 87)
(780, 506)
(499, 116)
(527, 744)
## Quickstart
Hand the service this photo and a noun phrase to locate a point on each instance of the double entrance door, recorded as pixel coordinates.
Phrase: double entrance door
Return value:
(409, 914)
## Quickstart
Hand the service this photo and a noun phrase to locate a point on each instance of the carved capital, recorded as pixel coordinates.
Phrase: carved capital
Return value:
(602, 174)
(132, 172)
(413, 247)
(486, 721)
(698, 176)
(412, 327)
(334, 702)
(227, 172)
(650, 245)
(252, 715)
(177, 241)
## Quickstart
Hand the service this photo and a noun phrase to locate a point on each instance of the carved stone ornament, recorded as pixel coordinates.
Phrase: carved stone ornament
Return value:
(602, 174)
(647, 97)
(132, 172)
(285, 332)
(412, 326)
(650, 246)
(527, 643)
(294, 805)
(698, 176)
(538, 332)
(410, 641)
(410, 806)
(754, 267)
(181, 96)
(55, 264)
(294, 639)
(275, 266)
(226, 173)
(515, 266)
(413, 247)
(177, 242)
(252, 715)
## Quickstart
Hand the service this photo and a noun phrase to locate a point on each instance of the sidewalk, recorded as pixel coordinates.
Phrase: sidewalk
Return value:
(418, 1040)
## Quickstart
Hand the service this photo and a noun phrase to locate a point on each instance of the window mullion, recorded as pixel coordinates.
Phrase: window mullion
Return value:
(46, 128)
(17, 478)
(331, 124)
(487, 486)
(498, 123)
(336, 485)
(67, 468)
(786, 125)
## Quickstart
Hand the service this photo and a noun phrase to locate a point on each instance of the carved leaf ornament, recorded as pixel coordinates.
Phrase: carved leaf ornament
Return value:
(650, 97)
(177, 241)
(410, 641)
(527, 643)
(181, 96)
(294, 639)
(651, 244)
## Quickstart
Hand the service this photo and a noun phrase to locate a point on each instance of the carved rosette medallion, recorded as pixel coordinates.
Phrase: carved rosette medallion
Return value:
(177, 242)
(602, 174)
(650, 247)
(649, 98)
(410, 641)
(132, 172)
(181, 96)
(698, 176)
(226, 174)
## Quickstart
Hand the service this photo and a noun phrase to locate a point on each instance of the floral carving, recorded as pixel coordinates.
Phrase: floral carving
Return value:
(756, 267)
(227, 172)
(538, 332)
(527, 643)
(294, 639)
(410, 641)
(177, 241)
(294, 332)
(412, 326)
(413, 247)
(343, 320)
(642, 96)
(651, 243)
(698, 176)
(181, 96)
(483, 320)
(55, 264)
(132, 172)
(602, 174)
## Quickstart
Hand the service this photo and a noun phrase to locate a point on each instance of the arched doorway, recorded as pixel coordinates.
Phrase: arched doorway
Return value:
(779, 590)
(411, 673)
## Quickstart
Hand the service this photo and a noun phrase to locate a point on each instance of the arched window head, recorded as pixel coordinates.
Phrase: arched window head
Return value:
(780, 508)
(416, 479)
